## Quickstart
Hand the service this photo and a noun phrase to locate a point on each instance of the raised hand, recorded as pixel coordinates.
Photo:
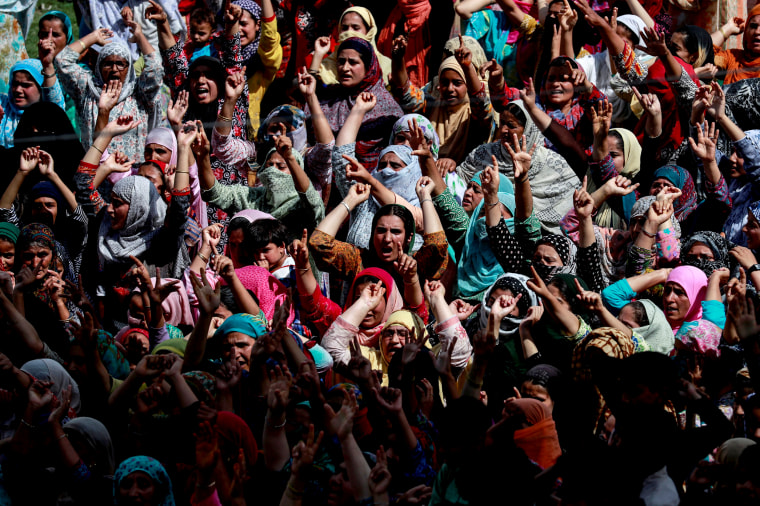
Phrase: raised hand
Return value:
(417, 140)
(495, 74)
(568, 18)
(341, 423)
(228, 375)
(434, 290)
(304, 452)
(109, 95)
(202, 146)
(45, 164)
(322, 46)
(592, 18)
(406, 266)
(372, 294)
(307, 83)
(537, 284)
(743, 317)
(398, 47)
(117, 162)
(208, 298)
(284, 144)
(582, 201)
(521, 158)
(718, 107)
(232, 13)
(234, 84)
(102, 36)
(655, 42)
(155, 12)
(462, 54)
(601, 118)
(744, 256)
(389, 399)
(533, 316)
(504, 306)
(412, 347)
(62, 406)
(380, 476)
(424, 188)
(211, 236)
(355, 171)
(299, 250)
(660, 212)
(29, 159)
(359, 366)
(415, 496)
(359, 193)
(619, 186)
(46, 49)
(178, 108)
(40, 396)
(365, 102)
(280, 382)
(490, 179)
(707, 138)
(592, 300)
(528, 95)
(163, 290)
(121, 125)
(463, 309)
(187, 134)
(649, 102)
(135, 29)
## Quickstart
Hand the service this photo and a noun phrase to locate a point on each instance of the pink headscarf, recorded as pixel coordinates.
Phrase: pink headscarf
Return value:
(164, 137)
(176, 306)
(694, 283)
(253, 215)
(267, 289)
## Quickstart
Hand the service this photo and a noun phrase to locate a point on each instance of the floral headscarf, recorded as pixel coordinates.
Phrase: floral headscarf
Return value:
(682, 180)
(163, 495)
(703, 339)
(428, 130)
(717, 244)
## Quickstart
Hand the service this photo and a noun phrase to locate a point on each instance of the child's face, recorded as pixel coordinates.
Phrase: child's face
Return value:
(200, 32)
(7, 255)
(271, 256)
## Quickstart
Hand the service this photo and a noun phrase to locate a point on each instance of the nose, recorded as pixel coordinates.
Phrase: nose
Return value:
(388, 237)
(36, 262)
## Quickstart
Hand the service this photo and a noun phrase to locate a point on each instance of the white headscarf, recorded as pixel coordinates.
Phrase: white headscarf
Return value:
(44, 369)
(120, 49)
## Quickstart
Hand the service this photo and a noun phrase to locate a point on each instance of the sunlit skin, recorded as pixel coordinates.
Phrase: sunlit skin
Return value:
(658, 184)
(158, 152)
(7, 255)
(558, 295)
(558, 88)
(452, 87)
(136, 488)
(509, 126)
(403, 138)
(393, 339)
(752, 231)
(675, 303)
(616, 152)
(751, 41)
(249, 27)
(700, 251)
(391, 161)
(117, 210)
(678, 48)
(354, 22)
(237, 346)
(203, 88)
(53, 28)
(199, 33)
(388, 238)
(153, 174)
(547, 255)
(114, 68)
(498, 292)
(36, 258)
(221, 314)
(375, 316)
(472, 197)
(45, 210)
(627, 316)
(276, 160)
(24, 90)
(274, 255)
(351, 69)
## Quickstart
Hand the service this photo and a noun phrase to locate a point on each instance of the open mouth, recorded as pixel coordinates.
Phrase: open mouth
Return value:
(201, 92)
(386, 250)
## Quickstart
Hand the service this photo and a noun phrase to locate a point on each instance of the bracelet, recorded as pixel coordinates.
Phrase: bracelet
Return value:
(94, 146)
(221, 117)
(494, 204)
(723, 33)
(203, 257)
(293, 491)
(61, 436)
(210, 485)
(182, 172)
(650, 235)
(304, 270)
(314, 72)
(84, 48)
(47, 76)
(348, 209)
(522, 180)
(276, 426)
(24, 422)
(425, 200)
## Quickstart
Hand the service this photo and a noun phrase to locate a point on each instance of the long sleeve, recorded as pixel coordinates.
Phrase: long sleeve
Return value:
(448, 330)
(506, 248)
(233, 198)
(87, 195)
(589, 264)
(73, 78)
(617, 295)
(231, 150)
(176, 67)
(337, 257)
(453, 218)
(54, 94)
(318, 165)
(410, 98)
(270, 56)
(319, 310)
(336, 340)
(433, 256)
(150, 79)
(629, 67)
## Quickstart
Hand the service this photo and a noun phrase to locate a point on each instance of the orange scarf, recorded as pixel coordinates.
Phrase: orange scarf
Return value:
(416, 13)
(540, 443)
(738, 63)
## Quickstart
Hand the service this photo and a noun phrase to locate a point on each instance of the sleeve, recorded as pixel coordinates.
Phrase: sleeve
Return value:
(410, 98)
(482, 110)
(270, 49)
(320, 310)
(73, 78)
(506, 247)
(500, 98)
(718, 192)
(336, 159)
(336, 340)
(668, 245)
(157, 336)
(77, 230)
(715, 312)
(312, 202)
(617, 295)
(589, 265)
(450, 329)
(749, 149)
(231, 56)
(684, 89)
(528, 232)
(453, 218)
(150, 79)
(232, 198)
(318, 165)
(629, 67)
(432, 257)
(10, 216)
(331, 255)
(88, 197)
(603, 170)
(176, 67)
(230, 149)
(54, 94)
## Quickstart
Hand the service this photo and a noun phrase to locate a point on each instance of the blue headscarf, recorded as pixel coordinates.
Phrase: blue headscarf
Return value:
(244, 323)
(505, 185)
(402, 182)
(151, 467)
(478, 266)
(681, 179)
(64, 19)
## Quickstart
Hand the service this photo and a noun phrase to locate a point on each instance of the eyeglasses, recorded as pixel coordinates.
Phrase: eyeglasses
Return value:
(118, 65)
(402, 333)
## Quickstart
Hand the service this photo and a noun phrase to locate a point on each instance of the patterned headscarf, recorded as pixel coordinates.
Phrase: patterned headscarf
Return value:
(289, 115)
(703, 339)
(428, 130)
(64, 19)
(268, 290)
(39, 234)
(114, 361)
(717, 244)
(515, 283)
(203, 385)
(566, 250)
(254, 9)
(114, 48)
(163, 495)
(682, 180)
(367, 54)
(641, 207)
(145, 218)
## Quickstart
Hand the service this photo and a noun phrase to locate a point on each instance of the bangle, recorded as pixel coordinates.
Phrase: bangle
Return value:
(348, 209)
(314, 72)
(47, 76)
(24, 422)
(210, 485)
(84, 48)
(94, 146)
(203, 257)
(269, 424)
(425, 200)
(222, 117)
(293, 491)
(723, 33)
(521, 180)
(650, 235)
(494, 204)
(304, 270)
(61, 436)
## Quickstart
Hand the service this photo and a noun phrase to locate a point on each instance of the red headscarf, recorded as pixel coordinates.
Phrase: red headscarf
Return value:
(539, 441)
(417, 13)
(393, 302)
(234, 434)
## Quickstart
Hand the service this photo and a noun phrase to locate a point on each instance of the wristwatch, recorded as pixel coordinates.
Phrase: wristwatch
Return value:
(754, 268)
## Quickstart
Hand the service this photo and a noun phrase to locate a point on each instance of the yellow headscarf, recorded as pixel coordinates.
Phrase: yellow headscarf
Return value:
(328, 71)
(452, 124)
(409, 321)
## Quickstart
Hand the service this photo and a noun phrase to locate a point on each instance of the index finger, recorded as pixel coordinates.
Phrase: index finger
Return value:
(461, 42)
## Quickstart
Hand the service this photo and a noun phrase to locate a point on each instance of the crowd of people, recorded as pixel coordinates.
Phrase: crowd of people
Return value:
(363, 253)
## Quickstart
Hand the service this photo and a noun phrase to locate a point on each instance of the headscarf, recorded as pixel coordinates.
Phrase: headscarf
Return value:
(42, 235)
(409, 321)
(682, 180)
(478, 267)
(452, 123)
(393, 302)
(252, 215)
(281, 196)
(178, 346)
(551, 178)
(542, 374)
(415, 15)
(328, 71)
(13, 114)
(703, 339)
(510, 325)
(704, 43)
(9, 232)
(539, 441)
(244, 323)
(717, 244)
(635, 24)
(289, 115)
(45, 369)
(234, 435)
(505, 185)
(251, 50)
(694, 283)
(203, 385)
(428, 130)
(114, 48)
(176, 305)
(740, 64)
(163, 495)
(566, 250)
(95, 435)
(145, 219)
(113, 359)
(268, 289)
(48, 189)
(64, 19)
(164, 137)
(658, 334)
(402, 182)
(730, 451)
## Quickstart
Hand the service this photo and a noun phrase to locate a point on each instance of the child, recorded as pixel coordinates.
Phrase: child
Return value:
(269, 239)
(199, 41)
(8, 237)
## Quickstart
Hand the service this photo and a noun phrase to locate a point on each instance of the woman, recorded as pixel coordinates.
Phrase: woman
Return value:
(47, 370)
(707, 251)
(554, 254)
(742, 63)
(534, 430)
(26, 89)
(359, 71)
(90, 480)
(143, 480)
(689, 298)
(551, 179)
(139, 97)
(294, 120)
(648, 323)
(413, 16)
(693, 45)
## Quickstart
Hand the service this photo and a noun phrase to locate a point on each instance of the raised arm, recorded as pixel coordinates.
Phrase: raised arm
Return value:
(704, 148)
(733, 27)
(466, 8)
(29, 159)
(165, 36)
(464, 57)
(559, 313)
(656, 46)
(307, 83)
(514, 13)
(46, 168)
(357, 194)
(233, 87)
(139, 38)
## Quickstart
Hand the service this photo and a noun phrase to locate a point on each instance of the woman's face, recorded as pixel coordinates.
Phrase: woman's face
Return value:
(136, 488)
(752, 35)
(374, 317)
(678, 48)
(389, 238)
(452, 87)
(7, 255)
(249, 27)
(675, 302)
(24, 90)
(530, 390)
(118, 210)
(45, 210)
(557, 294)
(509, 126)
(203, 88)
(658, 184)
(158, 152)
(238, 347)
(351, 68)
(150, 172)
(558, 88)
(547, 255)
(472, 197)
(276, 160)
(393, 339)
(391, 161)
(752, 231)
(36, 257)
(114, 68)
(353, 21)
(53, 29)
(616, 152)
(627, 315)
(700, 251)
(235, 247)
(498, 292)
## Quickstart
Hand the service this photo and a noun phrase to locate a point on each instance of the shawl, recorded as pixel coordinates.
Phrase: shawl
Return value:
(717, 244)
(634, 24)
(95, 435)
(410, 321)
(428, 130)
(289, 115)
(163, 495)
(144, 221)
(452, 123)
(328, 71)
(64, 19)
(235, 435)
(478, 59)
(268, 290)
(164, 137)
(44, 369)
(494, 32)
(113, 359)
(738, 63)
(703, 339)
(658, 334)
(251, 50)
(730, 451)
(281, 196)
(552, 181)
(510, 325)
(252, 215)
(743, 191)
(244, 323)
(565, 248)
(478, 267)
(114, 48)
(415, 15)
(393, 302)
(605, 216)
(694, 283)
(682, 180)
(13, 114)
(539, 441)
